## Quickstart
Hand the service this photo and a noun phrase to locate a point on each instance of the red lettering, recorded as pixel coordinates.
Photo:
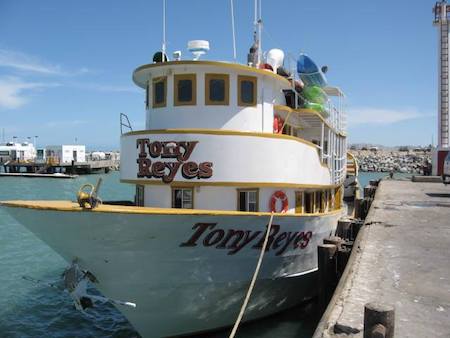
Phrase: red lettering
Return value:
(189, 170)
(197, 234)
(188, 149)
(205, 170)
(210, 240)
(307, 237)
(144, 167)
(141, 143)
(155, 149)
(173, 169)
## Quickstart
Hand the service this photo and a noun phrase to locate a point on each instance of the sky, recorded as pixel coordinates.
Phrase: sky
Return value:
(66, 66)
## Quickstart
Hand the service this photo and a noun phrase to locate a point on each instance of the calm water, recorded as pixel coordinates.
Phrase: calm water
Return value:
(29, 310)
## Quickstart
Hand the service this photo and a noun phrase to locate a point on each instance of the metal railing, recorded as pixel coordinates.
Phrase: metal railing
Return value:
(124, 123)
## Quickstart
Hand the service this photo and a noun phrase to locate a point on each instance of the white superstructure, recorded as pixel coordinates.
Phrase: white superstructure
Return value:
(14, 151)
(236, 139)
(66, 153)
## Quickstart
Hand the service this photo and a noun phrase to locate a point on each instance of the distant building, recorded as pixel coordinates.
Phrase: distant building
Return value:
(11, 151)
(65, 153)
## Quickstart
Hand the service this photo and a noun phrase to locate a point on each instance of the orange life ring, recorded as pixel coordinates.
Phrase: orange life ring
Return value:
(279, 195)
(277, 124)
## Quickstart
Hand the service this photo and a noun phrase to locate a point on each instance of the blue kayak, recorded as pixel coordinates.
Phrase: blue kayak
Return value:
(309, 72)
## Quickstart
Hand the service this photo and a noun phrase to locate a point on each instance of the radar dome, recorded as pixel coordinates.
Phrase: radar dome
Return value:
(275, 58)
(198, 48)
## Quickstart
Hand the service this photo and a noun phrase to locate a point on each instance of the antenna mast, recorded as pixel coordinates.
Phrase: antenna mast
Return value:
(259, 23)
(163, 48)
(233, 30)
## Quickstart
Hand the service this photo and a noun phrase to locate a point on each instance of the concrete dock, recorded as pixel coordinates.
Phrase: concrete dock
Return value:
(401, 257)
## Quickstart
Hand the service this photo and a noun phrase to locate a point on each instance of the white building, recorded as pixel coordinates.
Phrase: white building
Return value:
(66, 153)
(17, 152)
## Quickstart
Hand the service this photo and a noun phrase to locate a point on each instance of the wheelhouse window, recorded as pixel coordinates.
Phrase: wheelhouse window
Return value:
(185, 90)
(246, 90)
(248, 200)
(159, 91)
(217, 89)
(183, 198)
(309, 202)
(299, 202)
(317, 201)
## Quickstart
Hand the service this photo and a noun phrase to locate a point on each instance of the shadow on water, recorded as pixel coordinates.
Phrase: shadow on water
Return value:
(299, 322)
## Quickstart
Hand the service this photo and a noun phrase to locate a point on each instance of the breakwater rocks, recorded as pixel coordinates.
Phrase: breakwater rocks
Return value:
(395, 161)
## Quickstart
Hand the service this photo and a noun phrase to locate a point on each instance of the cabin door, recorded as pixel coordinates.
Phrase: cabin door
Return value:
(75, 156)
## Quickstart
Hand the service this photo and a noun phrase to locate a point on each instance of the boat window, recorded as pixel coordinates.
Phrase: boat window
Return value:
(309, 202)
(185, 90)
(330, 200)
(317, 201)
(246, 90)
(337, 198)
(248, 200)
(217, 89)
(159, 91)
(183, 198)
(322, 201)
(139, 197)
(299, 202)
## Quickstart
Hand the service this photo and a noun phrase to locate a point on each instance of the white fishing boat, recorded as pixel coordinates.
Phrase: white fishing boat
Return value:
(226, 146)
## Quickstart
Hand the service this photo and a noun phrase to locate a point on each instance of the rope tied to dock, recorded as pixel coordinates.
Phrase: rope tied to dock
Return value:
(252, 283)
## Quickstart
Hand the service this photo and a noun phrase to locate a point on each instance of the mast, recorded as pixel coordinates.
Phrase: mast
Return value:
(163, 48)
(254, 58)
(259, 23)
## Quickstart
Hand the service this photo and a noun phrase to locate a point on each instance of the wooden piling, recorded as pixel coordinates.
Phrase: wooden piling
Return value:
(379, 320)
(355, 227)
(343, 229)
(336, 240)
(369, 191)
(327, 272)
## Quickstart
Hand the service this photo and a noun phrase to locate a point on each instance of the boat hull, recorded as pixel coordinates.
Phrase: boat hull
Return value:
(187, 273)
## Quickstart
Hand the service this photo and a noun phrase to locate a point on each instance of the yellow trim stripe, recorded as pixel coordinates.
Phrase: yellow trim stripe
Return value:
(235, 66)
(231, 184)
(219, 132)
(68, 206)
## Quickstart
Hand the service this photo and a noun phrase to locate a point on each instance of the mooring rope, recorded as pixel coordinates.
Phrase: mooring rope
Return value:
(252, 283)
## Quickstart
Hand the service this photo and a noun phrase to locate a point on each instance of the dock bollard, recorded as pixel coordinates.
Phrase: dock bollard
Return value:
(326, 257)
(379, 320)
